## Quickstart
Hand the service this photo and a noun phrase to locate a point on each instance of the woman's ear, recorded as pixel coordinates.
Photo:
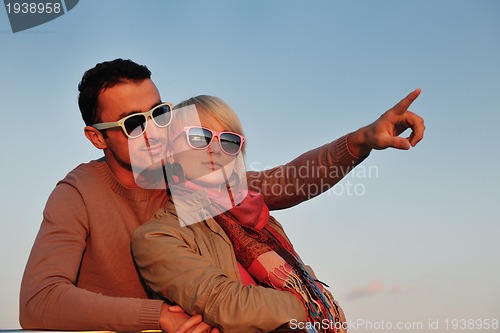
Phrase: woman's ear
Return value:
(95, 136)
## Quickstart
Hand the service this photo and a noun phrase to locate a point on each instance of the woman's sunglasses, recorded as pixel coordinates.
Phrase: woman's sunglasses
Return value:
(201, 137)
(135, 124)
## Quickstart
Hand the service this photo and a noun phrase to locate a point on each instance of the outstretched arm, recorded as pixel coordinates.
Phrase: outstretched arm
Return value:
(317, 170)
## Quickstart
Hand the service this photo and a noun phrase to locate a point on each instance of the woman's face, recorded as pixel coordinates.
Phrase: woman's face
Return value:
(210, 166)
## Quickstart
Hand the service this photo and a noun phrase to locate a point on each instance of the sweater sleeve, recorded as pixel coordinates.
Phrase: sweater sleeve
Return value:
(305, 177)
(170, 264)
(49, 297)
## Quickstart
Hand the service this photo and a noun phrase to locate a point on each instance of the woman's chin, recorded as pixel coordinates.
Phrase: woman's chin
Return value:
(210, 181)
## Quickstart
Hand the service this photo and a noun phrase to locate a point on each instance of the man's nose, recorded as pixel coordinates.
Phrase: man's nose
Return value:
(154, 132)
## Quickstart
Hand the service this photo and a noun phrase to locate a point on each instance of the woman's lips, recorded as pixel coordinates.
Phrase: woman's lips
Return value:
(212, 165)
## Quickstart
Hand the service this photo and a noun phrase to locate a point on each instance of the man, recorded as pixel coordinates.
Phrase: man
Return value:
(80, 274)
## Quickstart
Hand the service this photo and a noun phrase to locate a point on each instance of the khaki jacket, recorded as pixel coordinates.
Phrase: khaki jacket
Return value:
(195, 267)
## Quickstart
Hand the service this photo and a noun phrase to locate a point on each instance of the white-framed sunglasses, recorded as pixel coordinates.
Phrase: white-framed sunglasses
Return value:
(135, 124)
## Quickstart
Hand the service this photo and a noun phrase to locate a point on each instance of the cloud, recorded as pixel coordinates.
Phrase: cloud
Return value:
(376, 287)
(373, 288)
(395, 289)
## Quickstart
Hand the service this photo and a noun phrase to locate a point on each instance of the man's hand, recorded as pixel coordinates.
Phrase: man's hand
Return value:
(385, 131)
(173, 319)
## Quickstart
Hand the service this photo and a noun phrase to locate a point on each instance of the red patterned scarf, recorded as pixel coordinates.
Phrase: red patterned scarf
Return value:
(271, 260)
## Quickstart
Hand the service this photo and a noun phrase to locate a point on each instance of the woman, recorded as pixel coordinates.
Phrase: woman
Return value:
(214, 249)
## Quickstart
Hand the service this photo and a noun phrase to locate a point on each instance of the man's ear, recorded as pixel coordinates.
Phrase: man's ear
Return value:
(95, 136)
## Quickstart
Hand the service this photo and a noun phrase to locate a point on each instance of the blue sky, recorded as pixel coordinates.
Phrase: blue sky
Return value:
(418, 242)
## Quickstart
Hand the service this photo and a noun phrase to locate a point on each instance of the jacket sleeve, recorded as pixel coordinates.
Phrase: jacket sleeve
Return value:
(305, 177)
(170, 264)
(49, 298)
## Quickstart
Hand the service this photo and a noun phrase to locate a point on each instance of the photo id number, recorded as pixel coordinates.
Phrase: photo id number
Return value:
(33, 8)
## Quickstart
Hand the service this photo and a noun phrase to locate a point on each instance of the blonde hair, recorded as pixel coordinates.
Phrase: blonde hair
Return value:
(215, 108)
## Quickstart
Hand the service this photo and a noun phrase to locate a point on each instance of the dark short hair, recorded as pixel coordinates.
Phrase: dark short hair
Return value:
(102, 76)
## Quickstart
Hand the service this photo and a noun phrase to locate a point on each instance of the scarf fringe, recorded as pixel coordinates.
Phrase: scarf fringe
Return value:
(316, 303)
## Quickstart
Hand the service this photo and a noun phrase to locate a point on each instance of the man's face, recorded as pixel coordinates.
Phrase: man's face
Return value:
(120, 101)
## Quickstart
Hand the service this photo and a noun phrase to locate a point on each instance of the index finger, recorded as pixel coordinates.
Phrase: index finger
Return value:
(176, 309)
(405, 103)
(189, 324)
(204, 328)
